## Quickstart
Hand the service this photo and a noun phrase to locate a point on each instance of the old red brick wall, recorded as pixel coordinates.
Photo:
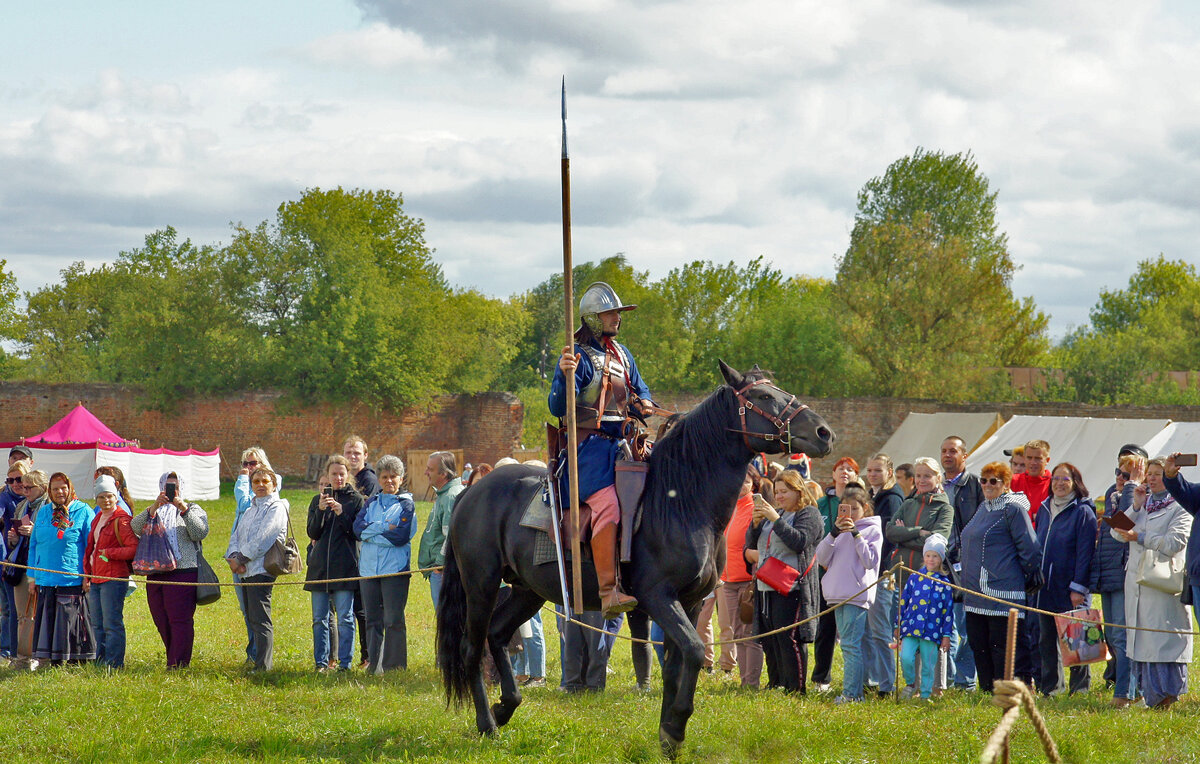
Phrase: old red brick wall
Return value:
(486, 426)
(863, 425)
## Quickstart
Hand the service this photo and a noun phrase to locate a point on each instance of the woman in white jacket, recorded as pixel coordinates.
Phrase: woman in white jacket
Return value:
(1159, 534)
(263, 522)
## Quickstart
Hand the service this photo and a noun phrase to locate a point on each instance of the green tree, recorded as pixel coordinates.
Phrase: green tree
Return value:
(926, 283)
(793, 331)
(1136, 334)
(67, 324)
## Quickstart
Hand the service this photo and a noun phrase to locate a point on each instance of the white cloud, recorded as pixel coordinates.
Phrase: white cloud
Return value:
(699, 129)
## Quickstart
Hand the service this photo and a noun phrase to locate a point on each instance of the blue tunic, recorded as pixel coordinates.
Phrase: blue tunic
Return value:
(597, 454)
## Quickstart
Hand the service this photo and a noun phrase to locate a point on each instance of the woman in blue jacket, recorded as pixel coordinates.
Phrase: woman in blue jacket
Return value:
(1066, 535)
(386, 527)
(62, 630)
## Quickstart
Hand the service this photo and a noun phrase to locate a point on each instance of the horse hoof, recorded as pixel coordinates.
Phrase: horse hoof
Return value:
(670, 744)
(502, 713)
(487, 732)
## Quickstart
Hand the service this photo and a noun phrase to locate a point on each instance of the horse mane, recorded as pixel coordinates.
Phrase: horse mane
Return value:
(680, 490)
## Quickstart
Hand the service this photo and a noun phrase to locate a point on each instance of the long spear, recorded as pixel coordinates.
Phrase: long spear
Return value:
(569, 304)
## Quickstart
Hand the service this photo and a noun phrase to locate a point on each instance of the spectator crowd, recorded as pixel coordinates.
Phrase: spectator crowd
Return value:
(1026, 533)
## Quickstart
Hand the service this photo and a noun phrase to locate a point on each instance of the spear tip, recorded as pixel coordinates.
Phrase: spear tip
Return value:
(564, 117)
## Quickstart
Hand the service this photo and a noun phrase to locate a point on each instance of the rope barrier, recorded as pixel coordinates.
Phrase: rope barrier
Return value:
(297, 582)
(1051, 613)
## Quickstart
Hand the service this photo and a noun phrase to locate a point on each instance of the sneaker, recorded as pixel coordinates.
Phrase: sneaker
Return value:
(937, 692)
(534, 681)
(908, 692)
(844, 699)
(823, 688)
(1122, 702)
(322, 669)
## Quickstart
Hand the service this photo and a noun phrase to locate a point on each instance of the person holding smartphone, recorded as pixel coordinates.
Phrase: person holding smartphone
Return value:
(172, 607)
(850, 556)
(1188, 496)
(334, 554)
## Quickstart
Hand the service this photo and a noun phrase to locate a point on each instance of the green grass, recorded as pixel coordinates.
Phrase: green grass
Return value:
(214, 712)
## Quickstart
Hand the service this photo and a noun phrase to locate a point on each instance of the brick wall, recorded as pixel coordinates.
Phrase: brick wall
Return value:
(863, 425)
(486, 426)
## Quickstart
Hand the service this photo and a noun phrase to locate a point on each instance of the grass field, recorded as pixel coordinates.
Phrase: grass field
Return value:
(214, 712)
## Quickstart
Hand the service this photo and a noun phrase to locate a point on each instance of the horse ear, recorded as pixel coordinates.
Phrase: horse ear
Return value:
(731, 375)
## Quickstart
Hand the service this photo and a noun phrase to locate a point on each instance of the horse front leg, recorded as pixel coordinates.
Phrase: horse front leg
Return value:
(685, 656)
(516, 609)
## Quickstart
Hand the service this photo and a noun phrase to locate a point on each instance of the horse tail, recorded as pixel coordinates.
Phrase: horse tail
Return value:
(451, 632)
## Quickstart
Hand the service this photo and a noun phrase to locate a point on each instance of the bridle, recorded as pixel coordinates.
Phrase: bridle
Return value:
(783, 435)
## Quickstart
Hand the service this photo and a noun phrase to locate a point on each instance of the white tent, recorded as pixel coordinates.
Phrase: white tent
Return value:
(1089, 443)
(922, 434)
(79, 443)
(1183, 437)
(142, 467)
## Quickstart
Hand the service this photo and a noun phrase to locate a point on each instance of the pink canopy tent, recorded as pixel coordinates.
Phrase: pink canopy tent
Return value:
(79, 443)
(80, 426)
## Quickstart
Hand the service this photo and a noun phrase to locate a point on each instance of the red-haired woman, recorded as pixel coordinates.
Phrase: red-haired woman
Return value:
(62, 630)
(845, 470)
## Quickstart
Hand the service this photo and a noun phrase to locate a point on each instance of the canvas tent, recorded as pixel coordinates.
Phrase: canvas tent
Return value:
(79, 443)
(1089, 443)
(1182, 437)
(922, 434)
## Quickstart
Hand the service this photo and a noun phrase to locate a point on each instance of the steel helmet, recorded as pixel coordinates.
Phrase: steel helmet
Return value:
(596, 299)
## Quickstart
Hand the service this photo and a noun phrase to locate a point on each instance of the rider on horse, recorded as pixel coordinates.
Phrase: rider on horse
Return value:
(607, 387)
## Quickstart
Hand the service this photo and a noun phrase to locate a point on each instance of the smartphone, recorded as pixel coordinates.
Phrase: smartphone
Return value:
(169, 490)
(327, 490)
(1185, 460)
(844, 510)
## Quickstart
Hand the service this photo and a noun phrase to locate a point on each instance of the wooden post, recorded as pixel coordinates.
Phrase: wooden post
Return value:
(1010, 660)
(569, 309)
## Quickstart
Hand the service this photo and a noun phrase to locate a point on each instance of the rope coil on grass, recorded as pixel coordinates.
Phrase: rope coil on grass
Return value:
(1013, 695)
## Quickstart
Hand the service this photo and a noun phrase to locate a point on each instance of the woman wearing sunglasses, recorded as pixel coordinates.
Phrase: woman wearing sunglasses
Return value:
(252, 458)
(1000, 558)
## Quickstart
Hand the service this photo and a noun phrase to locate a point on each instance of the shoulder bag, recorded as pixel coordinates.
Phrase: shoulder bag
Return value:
(207, 590)
(1158, 571)
(284, 555)
(778, 575)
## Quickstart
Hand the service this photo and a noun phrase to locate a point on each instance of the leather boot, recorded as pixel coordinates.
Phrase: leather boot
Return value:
(604, 555)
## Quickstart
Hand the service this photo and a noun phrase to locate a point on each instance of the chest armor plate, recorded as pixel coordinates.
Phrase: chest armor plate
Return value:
(607, 389)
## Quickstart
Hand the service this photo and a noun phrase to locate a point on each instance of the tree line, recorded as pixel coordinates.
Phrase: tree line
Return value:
(339, 297)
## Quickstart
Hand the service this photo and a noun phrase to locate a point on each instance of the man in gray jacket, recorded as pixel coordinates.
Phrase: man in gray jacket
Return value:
(965, 495)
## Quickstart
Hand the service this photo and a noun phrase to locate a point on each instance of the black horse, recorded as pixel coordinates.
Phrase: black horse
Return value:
(696, 471)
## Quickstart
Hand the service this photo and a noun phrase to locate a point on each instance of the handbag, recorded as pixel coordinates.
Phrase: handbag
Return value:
(207, 590)
(1159, 571)
(284, 555)
(746, 604)
(154, 553)
(1081, 642)
(778, 575)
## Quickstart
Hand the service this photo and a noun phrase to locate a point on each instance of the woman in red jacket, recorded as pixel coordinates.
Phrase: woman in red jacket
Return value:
(110, 549)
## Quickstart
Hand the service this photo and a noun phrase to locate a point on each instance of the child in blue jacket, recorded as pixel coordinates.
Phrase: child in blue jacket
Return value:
(926, 617)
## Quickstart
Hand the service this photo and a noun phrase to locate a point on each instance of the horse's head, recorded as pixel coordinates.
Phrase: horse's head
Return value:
(772, 420)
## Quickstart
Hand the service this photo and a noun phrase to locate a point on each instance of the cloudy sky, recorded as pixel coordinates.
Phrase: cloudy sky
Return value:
(698, 129)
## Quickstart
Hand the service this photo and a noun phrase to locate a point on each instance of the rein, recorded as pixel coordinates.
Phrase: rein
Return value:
(783, 435)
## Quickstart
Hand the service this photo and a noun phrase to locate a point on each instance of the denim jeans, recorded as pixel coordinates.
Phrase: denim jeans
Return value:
(343, 603)
(106, 601)
(531, 661)
(435, 588)
(880, 660)
(963, 662)
(656, 636)
(8, 620)
(1113, 606)
(851, 626)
